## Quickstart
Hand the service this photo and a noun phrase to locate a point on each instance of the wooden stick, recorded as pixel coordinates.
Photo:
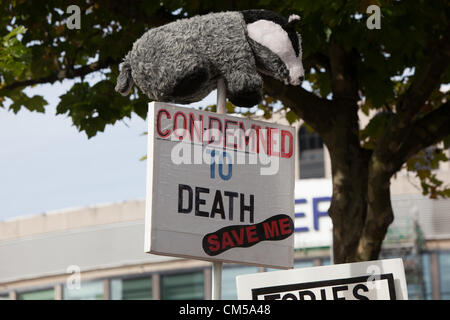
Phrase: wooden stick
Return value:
(221, 97)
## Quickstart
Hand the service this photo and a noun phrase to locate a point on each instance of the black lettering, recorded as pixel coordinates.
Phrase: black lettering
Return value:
(248, 208)
(181, 188)
(272, 296)
(360, 287)
(323, 294)
(305, 293)
(217, 206)
(289, 296)
(336, 290)
(230, 196)
(199, 201)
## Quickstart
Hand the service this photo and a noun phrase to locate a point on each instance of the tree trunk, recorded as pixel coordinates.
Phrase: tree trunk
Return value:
(361, 205)
(348, 208)
(379, 209)
(350, 171)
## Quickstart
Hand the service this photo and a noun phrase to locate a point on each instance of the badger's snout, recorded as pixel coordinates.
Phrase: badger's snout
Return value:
(296, 73)
(298, 81)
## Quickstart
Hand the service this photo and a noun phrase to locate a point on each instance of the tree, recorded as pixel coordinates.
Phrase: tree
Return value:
(396, 71)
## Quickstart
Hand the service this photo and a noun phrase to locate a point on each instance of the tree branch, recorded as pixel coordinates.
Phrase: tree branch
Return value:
(427, 131)
(64, 74)
(343, 74)
(316, 111)
(427, 78)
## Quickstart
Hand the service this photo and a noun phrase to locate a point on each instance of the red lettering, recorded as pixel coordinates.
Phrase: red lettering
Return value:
(227, 242)
(239, 238)
(232, 133)
(252, 236)
(215, 139)
(247, 136)
(213, 242)
(176, 132)
(273, 142)
(161, 133)
(277, 227)
(271, 230)
(285, 228)
(264, 140)
(196, 126)
(284, 134)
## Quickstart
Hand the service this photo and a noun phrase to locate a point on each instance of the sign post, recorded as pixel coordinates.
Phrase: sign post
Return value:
(218, 265)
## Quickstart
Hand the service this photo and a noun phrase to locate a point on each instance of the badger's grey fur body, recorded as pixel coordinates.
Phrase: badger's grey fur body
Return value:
(181, 62)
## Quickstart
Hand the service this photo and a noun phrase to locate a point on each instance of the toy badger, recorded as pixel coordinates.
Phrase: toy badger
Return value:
(181, 62)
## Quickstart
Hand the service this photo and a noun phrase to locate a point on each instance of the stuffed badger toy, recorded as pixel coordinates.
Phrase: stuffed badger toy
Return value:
(181, 62)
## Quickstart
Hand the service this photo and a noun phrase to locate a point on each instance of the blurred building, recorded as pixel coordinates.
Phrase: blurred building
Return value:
(97, 252)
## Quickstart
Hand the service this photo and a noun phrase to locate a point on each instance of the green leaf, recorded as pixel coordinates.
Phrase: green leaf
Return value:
(291, 117)
(13, 33)
(15, 58)
(374, 129)
(446, 142)
(423, 164)
(308, 127)
(93, 107)
(20, 99)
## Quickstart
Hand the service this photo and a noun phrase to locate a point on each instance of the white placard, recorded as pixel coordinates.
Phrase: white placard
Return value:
(219, 188)
(371, 280)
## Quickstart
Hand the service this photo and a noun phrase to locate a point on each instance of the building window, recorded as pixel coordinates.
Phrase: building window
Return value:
(229, 280)
(311, 159)
(413, 265)
(444, 274)
(86, 291)
(325, 261)
(131, 289)
(303, 264)
(45, 294)
(297, 264)
(185, 286)
(414, 288)
(426, 277)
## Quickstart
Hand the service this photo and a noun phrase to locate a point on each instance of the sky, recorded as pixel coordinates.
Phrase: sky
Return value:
(47, 165)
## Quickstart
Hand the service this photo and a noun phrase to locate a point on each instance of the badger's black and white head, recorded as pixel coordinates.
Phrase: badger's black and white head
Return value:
(277, 34)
